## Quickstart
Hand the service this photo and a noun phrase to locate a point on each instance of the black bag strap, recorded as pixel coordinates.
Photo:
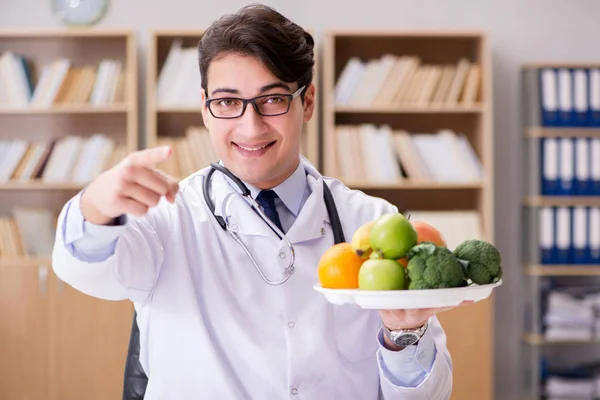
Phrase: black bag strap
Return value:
(135, 380)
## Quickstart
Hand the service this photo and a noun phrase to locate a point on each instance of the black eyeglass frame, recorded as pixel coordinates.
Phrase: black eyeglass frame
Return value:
(245, 102)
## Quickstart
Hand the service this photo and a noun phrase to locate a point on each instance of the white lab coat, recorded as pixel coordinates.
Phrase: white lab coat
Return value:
(211, 328)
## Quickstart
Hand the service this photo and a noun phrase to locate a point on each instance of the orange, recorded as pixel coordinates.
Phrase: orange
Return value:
(339, 266)
(425, 233)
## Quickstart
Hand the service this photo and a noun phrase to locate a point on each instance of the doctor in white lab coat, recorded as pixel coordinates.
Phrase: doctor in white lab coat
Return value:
(210, 326)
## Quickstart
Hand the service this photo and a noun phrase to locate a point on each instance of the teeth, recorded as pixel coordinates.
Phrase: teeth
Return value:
(253, 148)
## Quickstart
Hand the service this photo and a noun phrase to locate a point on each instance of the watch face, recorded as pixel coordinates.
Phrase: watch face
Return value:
(406, 339)
(79, 12)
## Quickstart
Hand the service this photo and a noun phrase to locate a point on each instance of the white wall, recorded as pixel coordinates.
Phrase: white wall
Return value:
(520, 31)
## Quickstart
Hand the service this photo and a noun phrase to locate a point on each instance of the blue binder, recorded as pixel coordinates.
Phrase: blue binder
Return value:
(548, 86)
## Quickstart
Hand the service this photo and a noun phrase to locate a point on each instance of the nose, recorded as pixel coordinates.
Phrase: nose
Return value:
(251, 122)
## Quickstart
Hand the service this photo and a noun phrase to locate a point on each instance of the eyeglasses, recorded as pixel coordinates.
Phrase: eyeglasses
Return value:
(268, 105)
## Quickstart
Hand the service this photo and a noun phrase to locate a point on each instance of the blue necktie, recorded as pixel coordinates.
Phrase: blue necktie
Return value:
(266, 199)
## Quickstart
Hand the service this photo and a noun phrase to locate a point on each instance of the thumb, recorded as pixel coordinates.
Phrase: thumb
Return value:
(150, 157)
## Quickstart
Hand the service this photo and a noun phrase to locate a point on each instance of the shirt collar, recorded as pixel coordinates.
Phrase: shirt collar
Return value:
(291, 191)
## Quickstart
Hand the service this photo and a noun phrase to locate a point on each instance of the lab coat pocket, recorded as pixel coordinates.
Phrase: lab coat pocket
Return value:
(355, 332)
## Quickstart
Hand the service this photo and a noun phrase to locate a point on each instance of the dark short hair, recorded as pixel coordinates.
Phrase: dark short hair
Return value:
(283, 47)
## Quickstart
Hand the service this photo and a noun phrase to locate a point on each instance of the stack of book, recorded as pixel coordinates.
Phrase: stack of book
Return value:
(179, 73)
(71, 159)
(405, 80)
(190, 152)
(61, 82)
(371, 153)
(27, 232)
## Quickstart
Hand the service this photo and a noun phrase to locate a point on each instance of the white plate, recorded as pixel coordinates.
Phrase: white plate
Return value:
(405, 299)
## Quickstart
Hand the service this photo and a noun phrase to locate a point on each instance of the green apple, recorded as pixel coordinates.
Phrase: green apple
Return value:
(392, 236)
(381, 274)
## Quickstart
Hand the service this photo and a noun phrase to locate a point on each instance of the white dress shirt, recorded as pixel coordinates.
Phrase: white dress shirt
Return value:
(211, 328)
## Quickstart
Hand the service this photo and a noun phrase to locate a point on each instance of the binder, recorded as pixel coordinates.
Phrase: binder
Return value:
(549, 97)
(581, 107)
(581, 246)
(565, 97)
(566, 166)
(547, 234)
(594, 189)
(549, 169)
(594, 235)
(582, 167)
(563, 234)
(594, 98)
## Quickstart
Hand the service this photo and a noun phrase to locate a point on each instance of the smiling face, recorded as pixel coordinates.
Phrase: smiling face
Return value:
(260, 150)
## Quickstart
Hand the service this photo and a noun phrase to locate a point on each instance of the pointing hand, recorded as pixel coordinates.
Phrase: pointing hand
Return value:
(130, 187)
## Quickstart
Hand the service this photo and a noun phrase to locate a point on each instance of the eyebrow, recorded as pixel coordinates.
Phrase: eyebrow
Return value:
(263, 89)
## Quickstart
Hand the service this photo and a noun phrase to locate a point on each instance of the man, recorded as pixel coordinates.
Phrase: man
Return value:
(210, 326)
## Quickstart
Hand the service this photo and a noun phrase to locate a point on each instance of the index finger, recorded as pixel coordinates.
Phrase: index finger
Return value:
(150, 157)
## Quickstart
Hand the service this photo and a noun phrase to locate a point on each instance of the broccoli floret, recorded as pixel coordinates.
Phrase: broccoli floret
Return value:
(481, 261)
(433, 267)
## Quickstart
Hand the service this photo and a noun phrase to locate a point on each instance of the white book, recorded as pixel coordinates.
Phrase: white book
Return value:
(9, 161)
(475, 167)
(59, 71)
(349, 80)
(390, 168)
(169, 71)
(36, 229)
(383, 68)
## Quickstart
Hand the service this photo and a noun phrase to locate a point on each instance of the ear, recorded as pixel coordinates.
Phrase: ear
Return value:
(309, 102)
(205, 111)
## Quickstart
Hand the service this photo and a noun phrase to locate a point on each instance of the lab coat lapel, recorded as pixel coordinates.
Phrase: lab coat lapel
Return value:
(236, 210)
(310, 223)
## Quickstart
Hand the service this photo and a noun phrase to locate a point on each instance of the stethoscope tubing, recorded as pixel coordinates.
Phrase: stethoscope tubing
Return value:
(245, 192)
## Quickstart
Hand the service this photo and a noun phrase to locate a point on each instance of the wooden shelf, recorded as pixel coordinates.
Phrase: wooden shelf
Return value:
(536, 339)
(183, 110)
(563, 270)
(50, 321)
(173, 121)
(549, 201)
(415, 185)
(84, 109)
(38, 185)
(410, 109)
(409, 114)
(71, 32)
(415, 34)
(538, 132)
(22, 262)
(560, 64)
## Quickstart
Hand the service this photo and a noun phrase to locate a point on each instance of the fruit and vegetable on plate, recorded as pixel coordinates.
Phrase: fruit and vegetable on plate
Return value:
(395, 253)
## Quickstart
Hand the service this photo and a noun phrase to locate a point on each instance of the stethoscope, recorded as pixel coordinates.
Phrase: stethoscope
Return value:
(338, 234)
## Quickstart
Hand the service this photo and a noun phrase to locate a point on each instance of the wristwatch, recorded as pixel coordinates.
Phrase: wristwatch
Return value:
(405, 337)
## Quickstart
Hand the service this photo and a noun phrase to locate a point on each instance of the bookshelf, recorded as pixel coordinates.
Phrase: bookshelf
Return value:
(173, 103)
(560, 226)
(407, 117)
(68, 111)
